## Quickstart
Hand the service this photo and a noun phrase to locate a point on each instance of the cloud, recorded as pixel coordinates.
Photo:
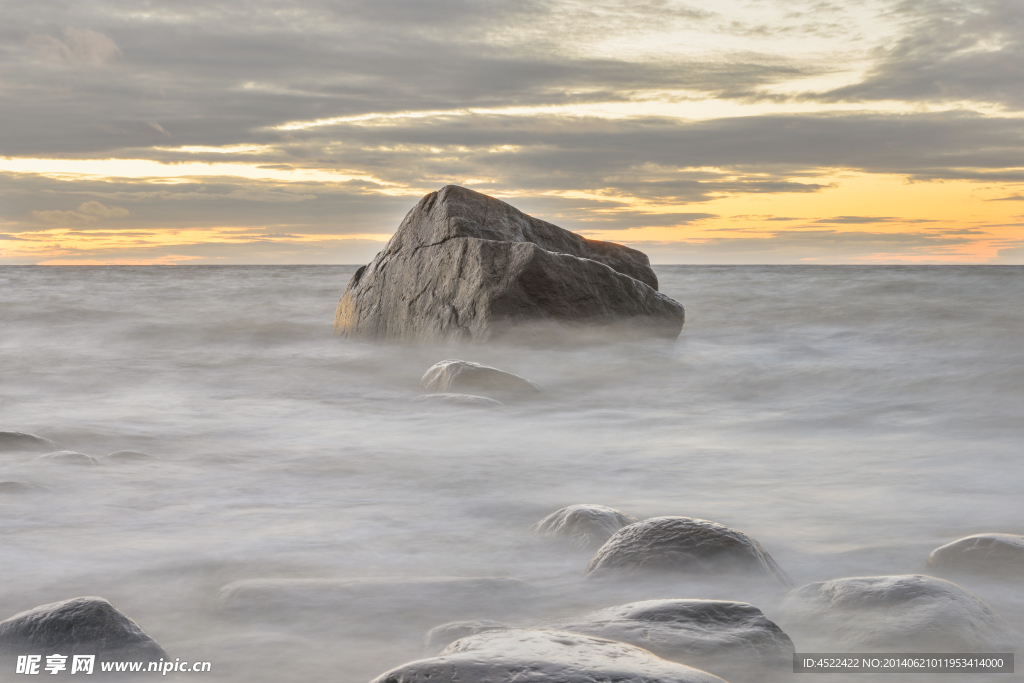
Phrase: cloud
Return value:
(950, 50)
(88, 212)
(80, 47)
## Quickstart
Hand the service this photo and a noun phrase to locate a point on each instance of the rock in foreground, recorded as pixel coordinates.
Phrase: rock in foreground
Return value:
(20, 441)
(909, 613)
(701, 632)
(535, 656)
(985, 553)
(465, 266)
(88, 626)
(463, 377)
(685, 545)
(584, 526)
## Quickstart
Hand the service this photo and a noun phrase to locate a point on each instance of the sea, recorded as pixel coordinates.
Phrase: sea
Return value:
(850, 418)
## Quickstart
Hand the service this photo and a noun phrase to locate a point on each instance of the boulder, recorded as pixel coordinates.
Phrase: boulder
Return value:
(20, 441)
(130, 456)
(462, 377)
(84, 626)
(465, 266)
(986, 553)
(698, 632)
(584, 526)
(909, 613)
(440, 637)
(538, 656)
(466, 400)
(685, 545)
(69, 458)
(423, 600)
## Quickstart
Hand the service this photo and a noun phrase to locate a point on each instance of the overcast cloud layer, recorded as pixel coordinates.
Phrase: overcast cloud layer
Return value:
(330, 118)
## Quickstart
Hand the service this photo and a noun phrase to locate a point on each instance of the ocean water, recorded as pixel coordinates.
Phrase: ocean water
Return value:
(849, 418)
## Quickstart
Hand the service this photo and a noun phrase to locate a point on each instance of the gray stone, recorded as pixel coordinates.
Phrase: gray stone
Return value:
(538, 656)
(703, 633)
(985, 553)
(69, 458)
(463, 377)
(20, 441)
(440, 637)
(909, 613)
(584, 526)
(85, 626)
(464, 400)
(685, 545)
(465, 266)
(130, 456)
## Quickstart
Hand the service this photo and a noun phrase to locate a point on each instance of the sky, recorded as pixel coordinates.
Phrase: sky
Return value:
(738, 131)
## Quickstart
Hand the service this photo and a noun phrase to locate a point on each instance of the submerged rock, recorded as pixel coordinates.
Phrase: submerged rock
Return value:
(20, 441)
(459, 400)
(537, 656)
(130, 456)
(460, 377)
(19, 487)
(421, 599)
(986, 553)
(583, 525)
(69, 458)
(685, 545)
(86, 625)
(910, 613)
(465, 266)
(700, 632)
(440, 637)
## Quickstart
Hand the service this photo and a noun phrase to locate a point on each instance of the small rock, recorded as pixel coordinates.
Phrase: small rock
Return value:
(20, 441)
(538, 656)
(986, 553)
(466, 400)
(459, 376)
(130, 456)
(69, 458)
(440, 637)
(909, 613)
(698, 632)
(686, 545)
(87, 625)
(585, 526)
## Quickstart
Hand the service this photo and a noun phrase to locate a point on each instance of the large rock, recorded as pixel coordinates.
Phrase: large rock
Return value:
(465, 266)
(686, 545)
(20, 441)
(584, 526)
(910, 613)
(463, 377)
(537, 656)
(986, 553)
(80, 626)
(703, 633)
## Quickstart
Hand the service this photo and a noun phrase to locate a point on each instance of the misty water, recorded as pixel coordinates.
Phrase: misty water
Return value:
(851, 419)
